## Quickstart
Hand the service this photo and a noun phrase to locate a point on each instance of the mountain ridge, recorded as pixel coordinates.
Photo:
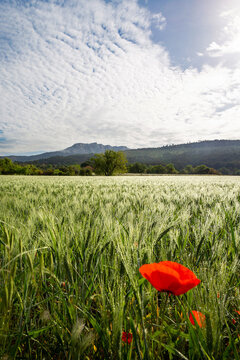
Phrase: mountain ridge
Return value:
(212, 153)
(75, 149)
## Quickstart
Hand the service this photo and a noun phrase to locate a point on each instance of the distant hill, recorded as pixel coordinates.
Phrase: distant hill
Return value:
(217, 154)
(62, 160)
(76, 149)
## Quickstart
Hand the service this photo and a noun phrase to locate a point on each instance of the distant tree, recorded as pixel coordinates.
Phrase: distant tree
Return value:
(86, 163)
(7, 166)
(188, 169)
(137, 168)
(48, 171)
(57, 172)
(213, 171)
(71, 170)
(225, 171)
(159, 169)
(150, 169)
(31, 170)
(170, 169)
(76, 168)
(110, 163)
(86, 171)
(236, 172)
(201, 169)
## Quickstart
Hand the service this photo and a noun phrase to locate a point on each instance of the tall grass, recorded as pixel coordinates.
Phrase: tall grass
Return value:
(70, 250)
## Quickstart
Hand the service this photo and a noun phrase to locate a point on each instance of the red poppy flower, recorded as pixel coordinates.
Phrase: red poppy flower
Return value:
(127, 337)
(197, 317)
(233, 320)
(170, 277)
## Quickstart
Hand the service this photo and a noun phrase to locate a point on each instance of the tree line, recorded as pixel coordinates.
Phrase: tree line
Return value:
(7, 167)
(108, 163)
(140, 168)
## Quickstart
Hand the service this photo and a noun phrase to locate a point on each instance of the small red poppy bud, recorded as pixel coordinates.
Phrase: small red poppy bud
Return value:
(127, 337)
(233, 320)
(197, 317)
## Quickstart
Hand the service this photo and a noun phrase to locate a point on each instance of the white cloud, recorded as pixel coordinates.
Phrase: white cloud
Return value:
(159, 21)
(229, 43)
(88, 71)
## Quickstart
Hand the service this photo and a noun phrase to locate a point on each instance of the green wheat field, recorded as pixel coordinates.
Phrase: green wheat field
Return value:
(70, 252)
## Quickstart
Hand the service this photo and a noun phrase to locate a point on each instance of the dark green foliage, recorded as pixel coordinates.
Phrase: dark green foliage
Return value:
(7, 167)
(214, 154)
(157, 169)
(137, 168)
(203, 169)
(170, 169)
(188, 170)
(104, 165)
(110, 163)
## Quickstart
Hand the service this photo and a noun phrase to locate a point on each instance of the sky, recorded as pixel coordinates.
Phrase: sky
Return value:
(139, 73)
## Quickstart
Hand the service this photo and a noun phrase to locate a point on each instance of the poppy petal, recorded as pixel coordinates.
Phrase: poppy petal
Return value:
(170, 277)
(197, 317)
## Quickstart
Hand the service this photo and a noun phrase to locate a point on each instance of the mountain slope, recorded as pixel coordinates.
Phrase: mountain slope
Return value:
(216, 154)
(79, 148)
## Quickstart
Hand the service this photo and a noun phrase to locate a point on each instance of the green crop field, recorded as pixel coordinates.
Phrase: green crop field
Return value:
(70, 253)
